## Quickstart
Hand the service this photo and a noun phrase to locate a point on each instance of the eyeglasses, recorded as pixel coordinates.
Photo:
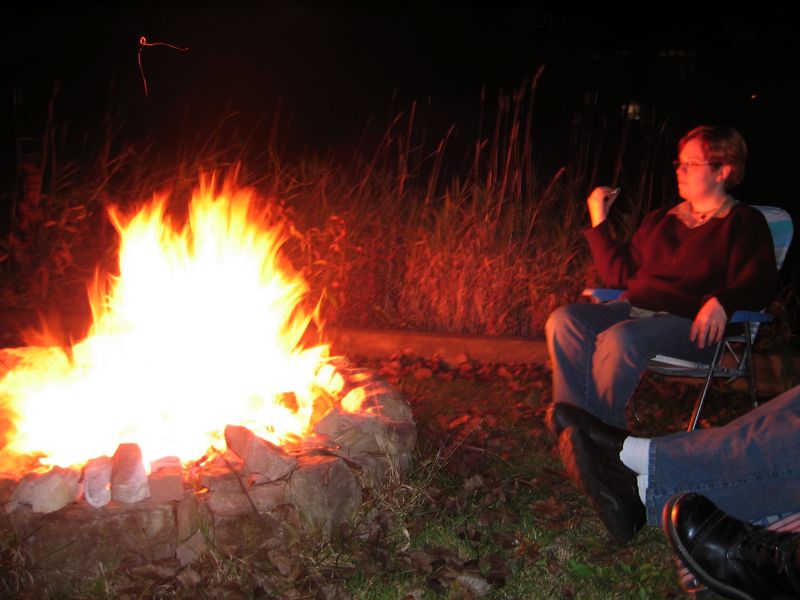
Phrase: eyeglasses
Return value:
(689, 165)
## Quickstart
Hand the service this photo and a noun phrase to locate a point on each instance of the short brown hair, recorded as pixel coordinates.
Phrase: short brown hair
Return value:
(722, 145)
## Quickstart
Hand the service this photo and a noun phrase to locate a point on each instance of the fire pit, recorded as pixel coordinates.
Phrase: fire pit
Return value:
(193, 403)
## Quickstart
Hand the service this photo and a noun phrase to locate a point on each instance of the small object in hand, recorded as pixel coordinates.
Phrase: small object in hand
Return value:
(612, 195)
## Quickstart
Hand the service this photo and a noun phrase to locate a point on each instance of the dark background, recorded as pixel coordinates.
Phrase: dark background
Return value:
(339, 71)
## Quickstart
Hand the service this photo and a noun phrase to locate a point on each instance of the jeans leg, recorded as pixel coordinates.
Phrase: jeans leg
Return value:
(571, 332)
(750, 467)
(621, 356)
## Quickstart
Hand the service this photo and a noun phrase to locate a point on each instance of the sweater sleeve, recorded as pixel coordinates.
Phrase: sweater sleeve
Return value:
(616, 262)
(752, 276)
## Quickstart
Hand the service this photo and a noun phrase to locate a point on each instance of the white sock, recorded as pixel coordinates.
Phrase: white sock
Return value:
(641, 483)
(635, 454)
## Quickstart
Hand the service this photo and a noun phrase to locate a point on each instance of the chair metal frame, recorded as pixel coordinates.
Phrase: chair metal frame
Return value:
(738, 347)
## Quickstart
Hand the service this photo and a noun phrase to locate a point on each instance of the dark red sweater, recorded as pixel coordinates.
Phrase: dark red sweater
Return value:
(667, 266)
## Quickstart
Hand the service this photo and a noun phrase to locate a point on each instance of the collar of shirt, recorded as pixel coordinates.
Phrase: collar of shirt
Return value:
(683, 212)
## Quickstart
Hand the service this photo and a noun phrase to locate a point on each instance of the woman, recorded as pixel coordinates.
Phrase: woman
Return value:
(685, 270)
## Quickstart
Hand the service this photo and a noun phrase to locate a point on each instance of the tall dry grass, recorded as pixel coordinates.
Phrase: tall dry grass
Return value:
(405, 234)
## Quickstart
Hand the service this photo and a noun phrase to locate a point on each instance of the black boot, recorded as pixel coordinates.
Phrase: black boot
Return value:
(733, 558)
(609, 485)
(561, 415)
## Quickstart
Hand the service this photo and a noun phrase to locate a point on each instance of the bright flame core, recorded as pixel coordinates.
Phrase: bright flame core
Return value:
(201, 329)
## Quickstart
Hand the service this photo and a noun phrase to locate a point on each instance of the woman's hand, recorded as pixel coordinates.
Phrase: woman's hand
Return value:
(599, 201)
(709, 324)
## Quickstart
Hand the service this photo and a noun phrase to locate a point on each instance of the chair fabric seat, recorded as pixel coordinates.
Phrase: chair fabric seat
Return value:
(676, 367)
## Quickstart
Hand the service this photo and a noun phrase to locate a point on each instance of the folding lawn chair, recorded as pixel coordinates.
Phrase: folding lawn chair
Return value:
(735, 351)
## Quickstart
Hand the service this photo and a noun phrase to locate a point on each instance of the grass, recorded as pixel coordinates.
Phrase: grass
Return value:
(408, 233)
(373, 235)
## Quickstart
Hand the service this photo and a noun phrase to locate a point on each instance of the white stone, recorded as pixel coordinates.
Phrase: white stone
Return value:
(97, 481)
(326, 494)
(47, 492)
(354, 432)
(232, 504)
(191, 549)
(129, 482)
(259, 456)
(166, 479)
(166, 462)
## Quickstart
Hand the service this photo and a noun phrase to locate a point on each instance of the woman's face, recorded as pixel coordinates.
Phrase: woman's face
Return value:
(697, 179)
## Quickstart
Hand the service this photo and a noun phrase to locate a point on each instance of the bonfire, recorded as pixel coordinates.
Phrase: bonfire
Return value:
(202, 327)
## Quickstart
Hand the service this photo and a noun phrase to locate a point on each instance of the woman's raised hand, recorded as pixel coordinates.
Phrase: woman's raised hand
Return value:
(599, 201)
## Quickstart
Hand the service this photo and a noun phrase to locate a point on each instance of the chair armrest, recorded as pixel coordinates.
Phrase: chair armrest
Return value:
(740, 316)
(602, 294)
(750, 316)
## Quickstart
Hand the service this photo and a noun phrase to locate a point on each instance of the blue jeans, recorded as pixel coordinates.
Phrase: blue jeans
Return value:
(750, 467)
(599, 353)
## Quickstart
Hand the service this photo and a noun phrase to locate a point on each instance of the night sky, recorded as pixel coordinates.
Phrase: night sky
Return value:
(340, 68)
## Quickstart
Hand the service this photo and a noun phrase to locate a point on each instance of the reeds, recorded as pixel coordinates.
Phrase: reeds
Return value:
(406, 234)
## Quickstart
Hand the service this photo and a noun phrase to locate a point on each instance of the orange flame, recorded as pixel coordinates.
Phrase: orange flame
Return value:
(202, 328)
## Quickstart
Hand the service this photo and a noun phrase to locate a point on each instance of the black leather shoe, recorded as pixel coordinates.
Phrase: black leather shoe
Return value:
(733, 558)
(561, 415)
(609, 485)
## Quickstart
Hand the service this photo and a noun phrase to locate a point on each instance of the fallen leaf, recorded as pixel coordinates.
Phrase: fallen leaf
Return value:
(332, 592)
(504, 373)
(162, 571)
(423, 373)
(473, 483)
(189, 577)
(550, 508)
(284, 563)
(490, 517)
(421, 561)
(387, 372)
(470, 533)
(460, 359)
(458, 421)
(498, 571)
(504, 540)
(567, 591)
(528, 550)
(474, 583)
(554, 568)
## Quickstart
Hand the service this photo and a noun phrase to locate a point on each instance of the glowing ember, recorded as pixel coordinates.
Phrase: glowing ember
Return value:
(201, 329)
